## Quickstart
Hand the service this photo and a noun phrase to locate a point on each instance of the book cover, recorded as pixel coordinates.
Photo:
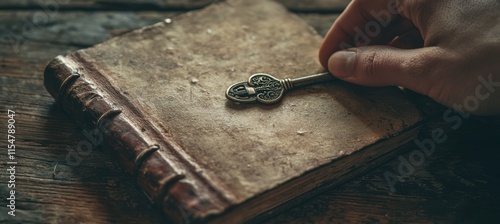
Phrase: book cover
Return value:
(157, 95)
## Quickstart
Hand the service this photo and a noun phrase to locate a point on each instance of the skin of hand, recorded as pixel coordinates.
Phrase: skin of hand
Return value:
(448, 50)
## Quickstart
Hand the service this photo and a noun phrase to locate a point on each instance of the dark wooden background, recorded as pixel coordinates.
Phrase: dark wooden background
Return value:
(458, 183)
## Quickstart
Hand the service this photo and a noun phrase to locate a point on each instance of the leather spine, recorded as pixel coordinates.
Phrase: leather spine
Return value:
(163, 179)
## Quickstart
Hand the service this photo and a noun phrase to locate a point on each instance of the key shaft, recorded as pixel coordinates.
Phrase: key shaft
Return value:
(290, 83)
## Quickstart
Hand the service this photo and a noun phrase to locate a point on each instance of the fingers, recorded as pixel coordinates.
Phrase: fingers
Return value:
(387, 66)
(367, 22)
(361, 24)
(409, 40)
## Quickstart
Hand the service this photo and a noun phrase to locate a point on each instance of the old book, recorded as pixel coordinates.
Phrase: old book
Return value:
(157, 95)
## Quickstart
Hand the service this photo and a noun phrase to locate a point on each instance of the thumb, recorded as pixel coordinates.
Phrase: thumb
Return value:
(385, 66)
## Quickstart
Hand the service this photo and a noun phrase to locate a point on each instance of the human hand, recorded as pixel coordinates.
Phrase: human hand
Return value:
(448, 50)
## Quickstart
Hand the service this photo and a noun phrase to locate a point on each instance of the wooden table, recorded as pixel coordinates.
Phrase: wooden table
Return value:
(459, 182)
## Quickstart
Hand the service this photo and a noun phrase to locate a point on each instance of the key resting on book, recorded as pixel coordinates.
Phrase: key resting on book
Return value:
(267, 89)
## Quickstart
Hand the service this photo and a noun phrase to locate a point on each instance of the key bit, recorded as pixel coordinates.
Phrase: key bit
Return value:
(265, 88)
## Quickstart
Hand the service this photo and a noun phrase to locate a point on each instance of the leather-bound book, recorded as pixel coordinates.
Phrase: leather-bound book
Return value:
(157, 95)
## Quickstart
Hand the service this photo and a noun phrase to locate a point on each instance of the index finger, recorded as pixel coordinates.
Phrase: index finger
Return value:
(361, 21)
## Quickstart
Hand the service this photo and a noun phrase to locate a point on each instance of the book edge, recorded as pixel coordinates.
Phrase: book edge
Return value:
(165, 180)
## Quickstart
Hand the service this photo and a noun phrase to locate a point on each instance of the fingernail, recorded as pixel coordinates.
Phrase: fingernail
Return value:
(341, 63)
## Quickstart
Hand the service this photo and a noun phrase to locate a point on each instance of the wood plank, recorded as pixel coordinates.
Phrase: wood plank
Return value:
(52, 5)
(332, 6)
(78, 28)
(459, 182)
(82, 29)
(55, 5)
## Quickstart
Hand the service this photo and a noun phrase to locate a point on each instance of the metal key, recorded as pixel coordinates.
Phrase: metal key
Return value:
(266, 89)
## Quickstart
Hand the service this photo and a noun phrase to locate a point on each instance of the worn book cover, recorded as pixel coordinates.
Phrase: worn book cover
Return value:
(157, 94)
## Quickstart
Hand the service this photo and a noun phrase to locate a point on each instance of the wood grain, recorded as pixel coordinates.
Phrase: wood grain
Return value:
(458, 183)
(295, 5)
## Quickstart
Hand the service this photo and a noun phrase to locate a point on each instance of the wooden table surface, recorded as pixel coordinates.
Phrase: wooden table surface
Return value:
(458, 183)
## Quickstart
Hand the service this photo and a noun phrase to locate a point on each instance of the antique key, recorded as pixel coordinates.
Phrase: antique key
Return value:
(266, 89)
